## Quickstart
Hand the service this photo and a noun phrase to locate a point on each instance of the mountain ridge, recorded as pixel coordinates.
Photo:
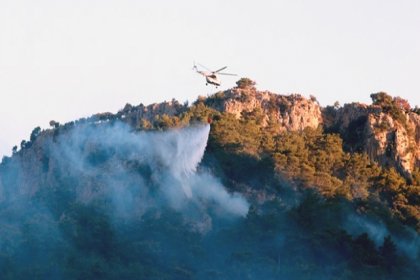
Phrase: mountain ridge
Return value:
(276, 187)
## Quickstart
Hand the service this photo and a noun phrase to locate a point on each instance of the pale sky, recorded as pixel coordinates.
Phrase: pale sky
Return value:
(62, 60)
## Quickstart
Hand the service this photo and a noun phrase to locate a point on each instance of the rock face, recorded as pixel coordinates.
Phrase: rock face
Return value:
(291, 112)
(386, 139)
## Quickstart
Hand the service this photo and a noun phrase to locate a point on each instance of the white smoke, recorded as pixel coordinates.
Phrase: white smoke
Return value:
(377, 231)
(356, 225)
(172, 157)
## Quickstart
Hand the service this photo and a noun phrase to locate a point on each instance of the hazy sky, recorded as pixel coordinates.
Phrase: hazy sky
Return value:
(62, 60)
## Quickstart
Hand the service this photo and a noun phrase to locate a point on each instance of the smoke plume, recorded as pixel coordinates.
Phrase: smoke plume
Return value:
(157, 167)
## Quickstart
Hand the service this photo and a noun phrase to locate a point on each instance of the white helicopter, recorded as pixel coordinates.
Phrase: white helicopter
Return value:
(211, 76)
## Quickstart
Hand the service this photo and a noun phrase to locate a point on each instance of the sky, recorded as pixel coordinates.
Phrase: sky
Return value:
(63, 60)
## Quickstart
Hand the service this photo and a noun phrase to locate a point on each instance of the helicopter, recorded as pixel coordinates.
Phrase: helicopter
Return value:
(211, 76)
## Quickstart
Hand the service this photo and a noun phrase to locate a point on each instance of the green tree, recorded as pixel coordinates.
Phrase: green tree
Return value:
(54, 124)
(35, 133)
(245, 83)
(381, 98)
(394, 106)
(388, 252)
(364, 251)
(23, 144)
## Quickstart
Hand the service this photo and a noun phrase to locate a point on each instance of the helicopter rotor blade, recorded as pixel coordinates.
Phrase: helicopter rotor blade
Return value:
(223, 68)
(201, 65)
(227, 74)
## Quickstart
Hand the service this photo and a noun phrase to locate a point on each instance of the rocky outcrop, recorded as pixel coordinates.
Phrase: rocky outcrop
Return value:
(386, 139)
(292, 112)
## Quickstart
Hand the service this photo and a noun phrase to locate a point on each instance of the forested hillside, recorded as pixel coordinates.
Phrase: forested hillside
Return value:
(275, 187)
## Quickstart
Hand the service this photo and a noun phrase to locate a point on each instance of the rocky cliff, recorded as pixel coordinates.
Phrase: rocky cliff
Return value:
(392, 140)
(291, 112)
